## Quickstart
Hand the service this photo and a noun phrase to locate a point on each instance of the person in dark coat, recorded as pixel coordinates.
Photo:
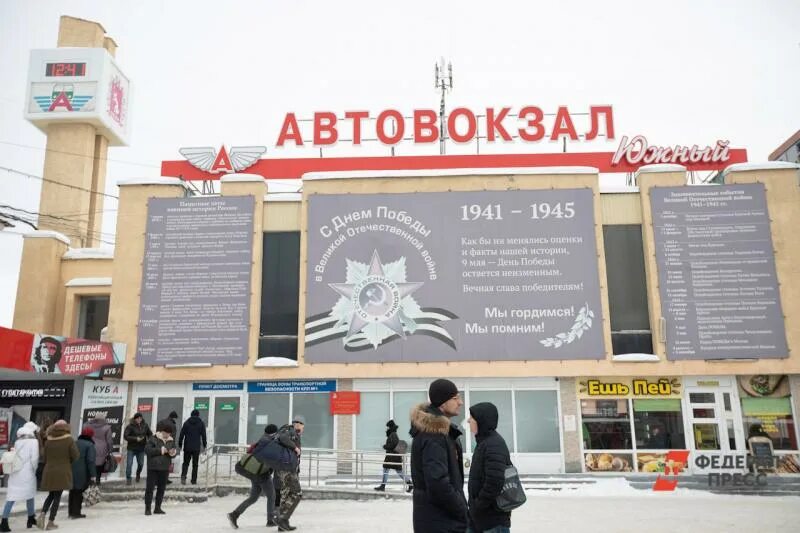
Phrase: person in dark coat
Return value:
(192, 441)
(394, 458)
(288, 436)
(60, 452)
(160, 449)
(83, 472)
(437, 465)
(487, 473)
(136, 435)
(103, 444)
(263, 484)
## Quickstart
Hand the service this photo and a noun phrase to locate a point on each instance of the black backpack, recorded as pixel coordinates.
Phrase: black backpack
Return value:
(513, 494)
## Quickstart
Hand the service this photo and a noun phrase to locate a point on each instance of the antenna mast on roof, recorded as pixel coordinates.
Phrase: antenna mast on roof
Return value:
(444, 82)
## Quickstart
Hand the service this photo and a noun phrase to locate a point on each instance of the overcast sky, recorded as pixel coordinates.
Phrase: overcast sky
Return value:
(207, 73)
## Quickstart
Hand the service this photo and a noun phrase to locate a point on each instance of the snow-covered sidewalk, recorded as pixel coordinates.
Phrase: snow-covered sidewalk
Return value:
(608, 506)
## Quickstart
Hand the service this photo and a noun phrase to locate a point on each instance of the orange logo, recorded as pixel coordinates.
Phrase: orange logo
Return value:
(674, 462)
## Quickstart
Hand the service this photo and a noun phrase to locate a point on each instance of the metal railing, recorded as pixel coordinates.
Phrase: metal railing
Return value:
(319, 467)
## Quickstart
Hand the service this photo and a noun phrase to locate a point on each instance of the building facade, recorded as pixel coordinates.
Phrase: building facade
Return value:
(608, 327)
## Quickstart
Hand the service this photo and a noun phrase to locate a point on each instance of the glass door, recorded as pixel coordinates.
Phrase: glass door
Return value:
(714, 421)
(227, 410)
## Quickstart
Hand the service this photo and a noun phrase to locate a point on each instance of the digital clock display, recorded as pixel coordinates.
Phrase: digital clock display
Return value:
(65, 69)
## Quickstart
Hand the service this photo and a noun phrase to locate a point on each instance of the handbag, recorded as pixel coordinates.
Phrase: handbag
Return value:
(92, 496)
(512, 495)
(276, 456)
(110, 465)
(250, 467)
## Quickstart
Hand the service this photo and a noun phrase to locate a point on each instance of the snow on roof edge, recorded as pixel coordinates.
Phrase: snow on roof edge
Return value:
(89, 253)
(88, 282)
(242, 178)
(47, 234)
(356, 174)
(765, 165)
(161, 180)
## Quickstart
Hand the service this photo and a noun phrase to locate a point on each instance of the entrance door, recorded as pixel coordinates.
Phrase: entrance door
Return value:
(714, 420)
(226, 419)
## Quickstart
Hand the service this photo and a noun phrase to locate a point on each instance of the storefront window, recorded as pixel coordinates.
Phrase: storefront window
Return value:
(315, 407)
(774, 416)
(537, 422)
(501, 400)
(658, 424)
(371, 423)
(606, 425)
(403, 402)
(266, 409)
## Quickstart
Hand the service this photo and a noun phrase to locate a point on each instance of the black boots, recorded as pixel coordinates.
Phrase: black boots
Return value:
(283, 525)
(31, 521)
(380, 488)
(4, 525)
(147, 511)
(158, 510)
(232, 518)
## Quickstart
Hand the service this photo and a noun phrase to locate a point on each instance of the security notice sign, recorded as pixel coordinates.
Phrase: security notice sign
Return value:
(716, 272)
(490, 275)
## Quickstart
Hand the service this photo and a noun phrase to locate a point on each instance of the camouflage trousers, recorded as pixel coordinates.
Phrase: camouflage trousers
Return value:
(290, 493)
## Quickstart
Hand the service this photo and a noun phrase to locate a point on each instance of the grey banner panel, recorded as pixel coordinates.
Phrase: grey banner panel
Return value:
(716, 272)
(455, 276)
(195, 299)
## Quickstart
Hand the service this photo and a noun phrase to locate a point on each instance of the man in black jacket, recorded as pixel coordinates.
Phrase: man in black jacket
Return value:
(136, 435)
(487, 473)
(192, 440)
(437, 466)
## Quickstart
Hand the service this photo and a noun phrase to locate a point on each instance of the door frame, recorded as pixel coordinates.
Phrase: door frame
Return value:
(719, 386)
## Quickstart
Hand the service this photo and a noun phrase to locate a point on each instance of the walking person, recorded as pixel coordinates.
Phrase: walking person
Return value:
(136, 435)
(289, 437)
(160, 449)
(22, 483)
(487, 472)
(394, 457)
(437, 465)
(192, 441)
(103, 444)
(260, 485)
(83, 472)
(60, 452)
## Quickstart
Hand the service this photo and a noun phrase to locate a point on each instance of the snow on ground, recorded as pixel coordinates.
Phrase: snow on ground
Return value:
(607, 506)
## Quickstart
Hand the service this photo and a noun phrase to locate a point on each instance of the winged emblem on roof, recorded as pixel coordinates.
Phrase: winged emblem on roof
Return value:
(237, 159)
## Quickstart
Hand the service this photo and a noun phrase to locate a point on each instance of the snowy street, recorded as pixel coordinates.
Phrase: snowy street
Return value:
(609, 506)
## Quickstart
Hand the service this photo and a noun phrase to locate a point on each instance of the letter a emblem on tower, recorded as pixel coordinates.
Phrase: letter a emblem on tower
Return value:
(61, 101)
(222, 163)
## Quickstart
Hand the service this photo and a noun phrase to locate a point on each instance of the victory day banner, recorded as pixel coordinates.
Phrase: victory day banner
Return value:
(52, 354)
(491, 275)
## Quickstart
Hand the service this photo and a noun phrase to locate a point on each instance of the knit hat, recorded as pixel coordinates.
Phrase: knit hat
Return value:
(60, 423)
(270, 429)
(299, 419)
(195, 412)
(87, 432)
(441, 390)
(391, 425)
(173, 414)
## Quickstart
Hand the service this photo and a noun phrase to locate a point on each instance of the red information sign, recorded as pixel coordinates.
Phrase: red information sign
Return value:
(145, 408)
(345, 403)
(3, 432)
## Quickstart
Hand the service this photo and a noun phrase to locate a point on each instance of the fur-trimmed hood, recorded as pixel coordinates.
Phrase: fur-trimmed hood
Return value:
(58, 432)
(427, 419)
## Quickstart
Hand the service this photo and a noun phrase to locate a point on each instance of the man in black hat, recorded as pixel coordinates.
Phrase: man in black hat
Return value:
(193, 441)
(437, 466)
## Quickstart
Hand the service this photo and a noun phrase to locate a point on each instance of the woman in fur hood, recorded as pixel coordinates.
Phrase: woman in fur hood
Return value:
(60, 452)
